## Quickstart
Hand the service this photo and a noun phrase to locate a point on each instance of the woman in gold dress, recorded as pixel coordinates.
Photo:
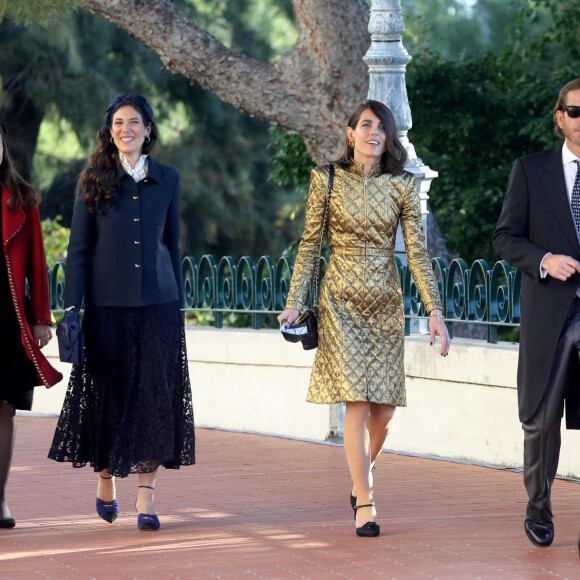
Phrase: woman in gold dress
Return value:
(360, 358)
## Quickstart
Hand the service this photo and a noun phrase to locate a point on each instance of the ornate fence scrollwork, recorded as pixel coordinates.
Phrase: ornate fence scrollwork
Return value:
(56, 285)
(189, 273)
(477, 294)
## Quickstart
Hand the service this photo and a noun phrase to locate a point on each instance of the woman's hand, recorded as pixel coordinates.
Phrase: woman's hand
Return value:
(289, 316)
(41, 334)
(437, 326)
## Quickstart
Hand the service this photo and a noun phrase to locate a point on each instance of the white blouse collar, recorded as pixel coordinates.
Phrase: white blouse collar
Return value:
(140, 171)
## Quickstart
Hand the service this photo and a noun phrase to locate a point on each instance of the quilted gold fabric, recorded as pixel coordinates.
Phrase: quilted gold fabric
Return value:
(361, 324)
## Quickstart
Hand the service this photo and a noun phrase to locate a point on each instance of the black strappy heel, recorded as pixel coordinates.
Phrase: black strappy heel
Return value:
(353, 497)
(370, 529)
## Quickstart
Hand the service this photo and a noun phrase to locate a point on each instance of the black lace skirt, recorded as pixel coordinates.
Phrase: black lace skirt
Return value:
(128, 406)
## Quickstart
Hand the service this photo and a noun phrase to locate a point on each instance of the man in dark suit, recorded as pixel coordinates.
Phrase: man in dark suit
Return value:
(538, 233)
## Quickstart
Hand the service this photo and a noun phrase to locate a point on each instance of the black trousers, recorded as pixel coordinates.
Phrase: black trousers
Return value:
(542, 432)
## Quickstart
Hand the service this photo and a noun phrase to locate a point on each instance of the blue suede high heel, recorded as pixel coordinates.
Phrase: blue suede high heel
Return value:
(107, 510)
(147, 521)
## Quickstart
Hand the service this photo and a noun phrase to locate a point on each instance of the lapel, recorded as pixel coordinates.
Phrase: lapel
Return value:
(12, 221)
(154, 170)
(554, 186)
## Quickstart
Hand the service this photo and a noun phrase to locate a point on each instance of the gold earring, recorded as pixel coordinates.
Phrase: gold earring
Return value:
(351, 143)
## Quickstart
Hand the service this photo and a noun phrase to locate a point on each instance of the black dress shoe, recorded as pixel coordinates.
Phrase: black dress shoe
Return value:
(540, 533)
(7, 523)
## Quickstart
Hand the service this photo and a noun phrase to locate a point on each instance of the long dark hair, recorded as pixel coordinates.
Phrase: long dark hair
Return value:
(22, 193)
(394, 157)
(99, 180)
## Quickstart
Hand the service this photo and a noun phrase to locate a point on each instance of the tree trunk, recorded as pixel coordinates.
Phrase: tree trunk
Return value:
(311, 90)
(436, 245)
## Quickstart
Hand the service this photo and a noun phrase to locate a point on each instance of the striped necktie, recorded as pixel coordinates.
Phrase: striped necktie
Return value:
(575, 202)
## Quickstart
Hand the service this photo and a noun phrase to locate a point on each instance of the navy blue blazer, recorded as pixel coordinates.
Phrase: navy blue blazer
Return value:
(128, 255)
(536, 219)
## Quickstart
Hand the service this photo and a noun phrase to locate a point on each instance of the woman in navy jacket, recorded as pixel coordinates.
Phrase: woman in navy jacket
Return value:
(128, 405)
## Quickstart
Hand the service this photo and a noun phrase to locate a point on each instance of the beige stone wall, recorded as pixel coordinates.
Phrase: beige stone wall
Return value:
(463, 406)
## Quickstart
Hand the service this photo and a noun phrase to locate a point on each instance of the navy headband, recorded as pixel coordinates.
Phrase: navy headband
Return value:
(132, 99)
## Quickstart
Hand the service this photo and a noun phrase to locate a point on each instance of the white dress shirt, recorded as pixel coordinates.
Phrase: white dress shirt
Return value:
(140, 171)
(570, 169)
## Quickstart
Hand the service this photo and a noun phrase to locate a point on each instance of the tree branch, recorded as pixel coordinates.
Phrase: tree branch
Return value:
(310, 90)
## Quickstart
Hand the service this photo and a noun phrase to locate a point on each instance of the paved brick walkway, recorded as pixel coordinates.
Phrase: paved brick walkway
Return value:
(264, 507)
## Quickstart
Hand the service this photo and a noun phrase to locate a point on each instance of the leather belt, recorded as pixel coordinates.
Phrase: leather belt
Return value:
(363, 251)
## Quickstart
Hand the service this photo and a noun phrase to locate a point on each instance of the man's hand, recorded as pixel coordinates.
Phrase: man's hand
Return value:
(560, 267)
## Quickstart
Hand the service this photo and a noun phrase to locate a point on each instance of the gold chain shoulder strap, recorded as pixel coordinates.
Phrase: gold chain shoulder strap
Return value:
(316, 274)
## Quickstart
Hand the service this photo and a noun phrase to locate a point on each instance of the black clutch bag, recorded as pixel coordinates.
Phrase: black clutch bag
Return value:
(71, 340)
(304, 329)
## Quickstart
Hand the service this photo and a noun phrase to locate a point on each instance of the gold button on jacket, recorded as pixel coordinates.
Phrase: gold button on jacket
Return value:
(360, 356)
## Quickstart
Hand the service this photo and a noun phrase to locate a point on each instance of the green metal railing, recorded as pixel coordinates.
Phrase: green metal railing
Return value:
(479, 294)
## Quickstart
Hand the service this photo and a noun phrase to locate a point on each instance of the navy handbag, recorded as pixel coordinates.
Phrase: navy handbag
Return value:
(71, 343)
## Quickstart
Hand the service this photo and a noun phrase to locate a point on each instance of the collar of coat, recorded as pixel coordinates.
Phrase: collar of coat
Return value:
(358, 169)
(154, 170)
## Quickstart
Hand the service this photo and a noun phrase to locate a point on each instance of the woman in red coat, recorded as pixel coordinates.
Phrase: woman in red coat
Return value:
(25, 321)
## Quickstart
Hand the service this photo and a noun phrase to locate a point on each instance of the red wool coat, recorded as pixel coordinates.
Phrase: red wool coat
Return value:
(25, 260)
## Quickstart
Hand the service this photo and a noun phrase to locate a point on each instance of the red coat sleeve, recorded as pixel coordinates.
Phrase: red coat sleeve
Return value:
(37, 273)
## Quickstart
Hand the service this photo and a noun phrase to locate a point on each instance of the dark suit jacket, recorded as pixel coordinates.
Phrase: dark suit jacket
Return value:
(128, 255)
(536, 219)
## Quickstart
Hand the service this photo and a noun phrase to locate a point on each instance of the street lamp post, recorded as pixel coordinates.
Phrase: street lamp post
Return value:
(387, 60)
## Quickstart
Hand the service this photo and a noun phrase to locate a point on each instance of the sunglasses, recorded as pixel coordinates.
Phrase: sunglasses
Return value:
(572, 110)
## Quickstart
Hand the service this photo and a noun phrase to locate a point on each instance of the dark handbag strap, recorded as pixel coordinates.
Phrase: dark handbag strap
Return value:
(316, 274)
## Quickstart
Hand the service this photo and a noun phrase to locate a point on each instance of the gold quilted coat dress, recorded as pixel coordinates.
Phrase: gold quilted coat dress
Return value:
(360, 356)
